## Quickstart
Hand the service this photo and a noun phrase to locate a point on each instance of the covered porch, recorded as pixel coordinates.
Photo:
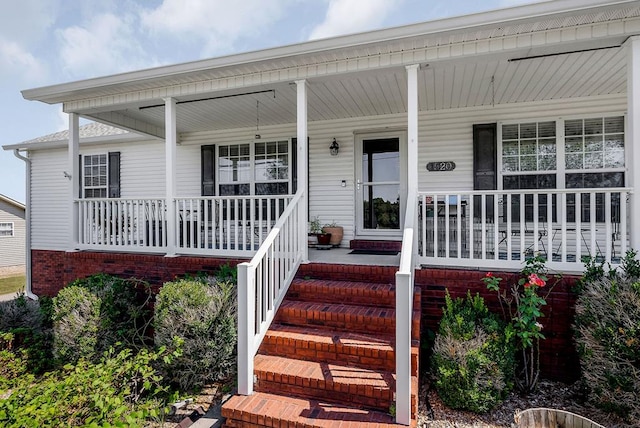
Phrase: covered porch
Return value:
(403, 106)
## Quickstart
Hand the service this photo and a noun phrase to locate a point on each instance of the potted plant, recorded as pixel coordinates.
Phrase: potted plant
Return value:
(315, 229)
(337, 232)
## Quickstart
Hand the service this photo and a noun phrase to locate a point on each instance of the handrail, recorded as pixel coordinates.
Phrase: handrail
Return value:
(404, 312)
(262, 284)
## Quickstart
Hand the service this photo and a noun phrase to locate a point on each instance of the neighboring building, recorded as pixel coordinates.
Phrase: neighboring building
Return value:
(505, 133)
(12, 234)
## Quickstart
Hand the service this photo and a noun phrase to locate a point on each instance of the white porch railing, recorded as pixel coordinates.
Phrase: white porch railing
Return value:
(229, 225)
(263, 283)
(123, 224)
(499, 229)
(404, 313)
(226, 225)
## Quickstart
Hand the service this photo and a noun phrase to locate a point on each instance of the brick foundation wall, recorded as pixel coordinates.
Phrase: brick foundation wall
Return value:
(53, 269)
(558, 357)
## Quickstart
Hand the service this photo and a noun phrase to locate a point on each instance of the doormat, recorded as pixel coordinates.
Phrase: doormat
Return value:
(375, 252)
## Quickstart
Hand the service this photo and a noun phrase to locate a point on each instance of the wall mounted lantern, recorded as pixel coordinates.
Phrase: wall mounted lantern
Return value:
(334, 148)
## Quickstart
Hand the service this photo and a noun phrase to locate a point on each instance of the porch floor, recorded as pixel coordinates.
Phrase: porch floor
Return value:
(342, 256)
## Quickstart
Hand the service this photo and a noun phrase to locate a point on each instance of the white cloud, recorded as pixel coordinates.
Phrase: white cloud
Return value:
(16, 61)
(105, 44)
(215, 23)
(352, 16)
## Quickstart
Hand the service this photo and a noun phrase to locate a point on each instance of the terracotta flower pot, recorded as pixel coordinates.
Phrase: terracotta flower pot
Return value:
(336, 232)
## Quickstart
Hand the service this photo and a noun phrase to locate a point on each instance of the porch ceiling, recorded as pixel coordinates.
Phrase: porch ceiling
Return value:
(443, 85)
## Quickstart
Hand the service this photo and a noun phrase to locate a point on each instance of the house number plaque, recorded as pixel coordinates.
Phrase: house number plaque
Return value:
(441, 166)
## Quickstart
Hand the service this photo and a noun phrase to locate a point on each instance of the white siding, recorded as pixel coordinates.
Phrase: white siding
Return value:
(141, 176)
(443, 135)
(49, 200)
(12, 248)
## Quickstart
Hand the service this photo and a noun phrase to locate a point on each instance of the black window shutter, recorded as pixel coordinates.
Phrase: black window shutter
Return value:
(294, 165)
(80, 168)
(485, 163)
(114, 175)
(208, 169)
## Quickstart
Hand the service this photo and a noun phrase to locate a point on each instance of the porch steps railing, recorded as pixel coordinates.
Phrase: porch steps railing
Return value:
(262, 284)
(404, 310)
(499, 229)
(329, 356)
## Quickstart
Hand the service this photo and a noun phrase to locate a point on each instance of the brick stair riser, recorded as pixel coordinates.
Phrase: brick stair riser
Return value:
(346, 321)
(339, 321)
(352, 356)
(360, 395)
(337, 272)
(317, 292)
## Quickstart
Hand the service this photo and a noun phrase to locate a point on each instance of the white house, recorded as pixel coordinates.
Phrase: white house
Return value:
(473, 141)
(12, 234)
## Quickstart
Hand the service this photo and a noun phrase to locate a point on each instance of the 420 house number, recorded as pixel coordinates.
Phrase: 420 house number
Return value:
(441, 166)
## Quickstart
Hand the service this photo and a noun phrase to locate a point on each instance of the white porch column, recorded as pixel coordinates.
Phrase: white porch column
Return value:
(633, 136)
(171, 139)
(74, 171)
(303, 168)
(412, 127)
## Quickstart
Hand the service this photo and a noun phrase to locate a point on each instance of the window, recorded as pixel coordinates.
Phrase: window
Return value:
(272, 168)
(235, 169)
(95, 176)
(100, 175)
(529, 162)
(6, 229)
(594, 157)
(258, 169)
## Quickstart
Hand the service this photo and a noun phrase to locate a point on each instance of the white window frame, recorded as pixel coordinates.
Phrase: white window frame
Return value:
(12, 229)
(560, 171)
(84, 176)
(252, 165)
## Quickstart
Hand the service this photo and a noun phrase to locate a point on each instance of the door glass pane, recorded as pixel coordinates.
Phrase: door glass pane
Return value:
(381, 160)
(381, 206)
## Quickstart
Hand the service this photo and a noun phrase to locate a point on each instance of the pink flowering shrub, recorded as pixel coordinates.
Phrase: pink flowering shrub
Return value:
(521, 306)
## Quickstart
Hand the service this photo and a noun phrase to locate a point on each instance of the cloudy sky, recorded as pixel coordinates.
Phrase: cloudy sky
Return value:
(45, 42)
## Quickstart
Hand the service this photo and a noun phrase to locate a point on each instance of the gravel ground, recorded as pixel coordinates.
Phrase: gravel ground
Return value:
(434, 414)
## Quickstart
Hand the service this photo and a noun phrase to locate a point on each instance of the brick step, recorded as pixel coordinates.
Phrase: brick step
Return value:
(354, 318)
(340, 272)
(334, 347)
(372, 389)
(342, 317)
(362, 293)
(268, 410)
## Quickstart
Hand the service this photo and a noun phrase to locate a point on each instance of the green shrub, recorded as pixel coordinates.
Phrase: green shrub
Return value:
(473, 358)
(30, 327)
(94, 314)
(12, 363)
(122, 390)
(607, 330)
(76, 320)
(124, 313)
(20, 313)
(202, 316)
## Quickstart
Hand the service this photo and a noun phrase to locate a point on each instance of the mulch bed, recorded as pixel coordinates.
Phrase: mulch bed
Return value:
(433, 413)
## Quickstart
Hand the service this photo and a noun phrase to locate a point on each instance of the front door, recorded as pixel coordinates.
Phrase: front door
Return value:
(380, 184)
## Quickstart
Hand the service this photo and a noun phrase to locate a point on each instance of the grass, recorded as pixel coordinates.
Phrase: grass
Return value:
(12, 284)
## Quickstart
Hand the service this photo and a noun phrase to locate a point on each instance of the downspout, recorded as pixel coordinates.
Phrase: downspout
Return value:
(27, 214)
